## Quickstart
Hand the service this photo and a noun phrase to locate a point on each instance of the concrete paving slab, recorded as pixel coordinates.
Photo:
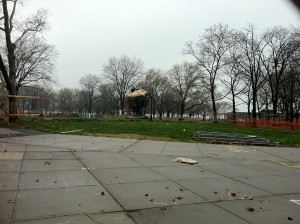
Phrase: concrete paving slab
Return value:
(275, 210)
(153, 160)
(109, 218)
(221, 189)
(220, 152)
(111, 145)
(186, 172)
(10, 166)
(61, 178)
(44, 203)
(78, 219)
(126, 175)
(56, 179)
(193, 214)
(11, 155)
(51, 165)
(49, 155)
(290, 154)
(98, 155)
(109, 163)
(269, 167)
(9, 181)
(232, 170)
(42, 148)
(8, 147)
(147, 147)
(246, 152)
(151, 194)
(182, 149)
(7, 199)
(273, 184)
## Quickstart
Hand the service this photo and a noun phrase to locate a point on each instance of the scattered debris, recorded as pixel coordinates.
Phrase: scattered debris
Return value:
(250, 209)
(146, 195)
(218, 137)
(11, 201)
(79, 204)
(215, 192)
(151, 199)
(55, 181)
(5, 150)
(264, 201)
(295, 201)
(232, 194)
(47, 163)
(291, 165)
(102, 193)
(163, 208)
(183, 189)
(167, 188)
(290, 218)
(37, 180)
(247, 197)
(179, 198)
(185, 160)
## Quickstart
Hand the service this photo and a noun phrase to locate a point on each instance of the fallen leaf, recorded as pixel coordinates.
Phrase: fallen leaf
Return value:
(179, 197)
(264, 201)
(11, 201)
(102, 193)
(146, 195)
(247, 197)
(290, 218)
(250, 209)
(183, 189)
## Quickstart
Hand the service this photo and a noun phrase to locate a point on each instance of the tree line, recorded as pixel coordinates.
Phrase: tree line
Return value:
(259, 69)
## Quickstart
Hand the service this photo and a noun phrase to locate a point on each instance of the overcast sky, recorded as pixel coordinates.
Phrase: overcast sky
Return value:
(86, 33)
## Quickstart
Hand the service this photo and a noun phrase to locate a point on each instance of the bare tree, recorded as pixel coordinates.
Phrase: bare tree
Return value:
(15, 32)
(184, 80)
(65, 101)
(281, 45)
(34, 61)
(109, 100)
(233, 80)
(250, 48)
(90, 90)
(123, 72)
(209, 51)
(155, 83)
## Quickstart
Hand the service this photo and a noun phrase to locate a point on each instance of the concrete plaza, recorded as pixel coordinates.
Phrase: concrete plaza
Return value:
(62, 179)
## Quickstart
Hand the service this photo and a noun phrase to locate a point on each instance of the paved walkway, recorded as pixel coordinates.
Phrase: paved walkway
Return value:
(62, 179)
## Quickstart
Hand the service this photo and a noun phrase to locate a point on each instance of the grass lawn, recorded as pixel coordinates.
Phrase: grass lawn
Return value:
(145, 129)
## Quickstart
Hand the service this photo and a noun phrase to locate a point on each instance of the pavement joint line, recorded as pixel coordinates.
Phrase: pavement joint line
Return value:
(200, 150)
(88, 170)
(270, 154)
(230, 212)
(232, 178)
(163, 149)
(169, 179)
(135, 142)
(13, 213)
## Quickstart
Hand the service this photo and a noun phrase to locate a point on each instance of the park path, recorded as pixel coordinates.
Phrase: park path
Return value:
(56, 178)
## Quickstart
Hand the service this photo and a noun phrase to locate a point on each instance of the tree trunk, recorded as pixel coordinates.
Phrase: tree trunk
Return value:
(214, 107)
(11, 80)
